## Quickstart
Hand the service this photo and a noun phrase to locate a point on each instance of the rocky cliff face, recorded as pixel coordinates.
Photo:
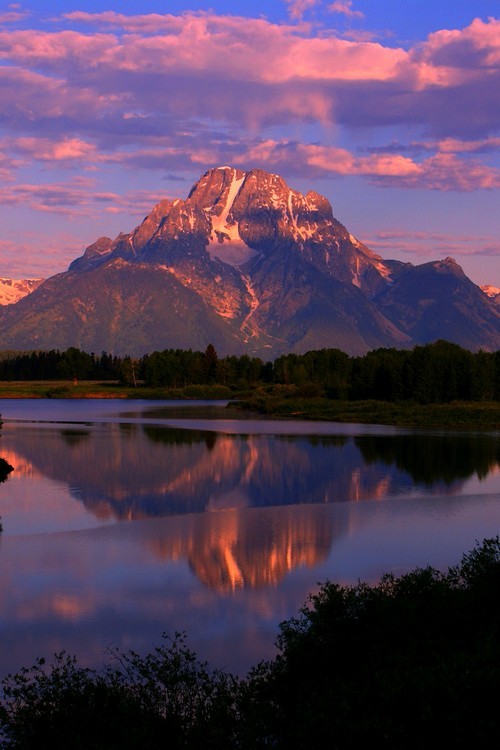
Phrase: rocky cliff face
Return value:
(248, 264)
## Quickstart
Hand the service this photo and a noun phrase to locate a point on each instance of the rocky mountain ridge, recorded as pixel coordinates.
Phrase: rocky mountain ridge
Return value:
(248, 264)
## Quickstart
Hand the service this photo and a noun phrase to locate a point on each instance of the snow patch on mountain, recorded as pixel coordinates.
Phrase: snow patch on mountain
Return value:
(225, 242)
(12, 290)
(490, 291)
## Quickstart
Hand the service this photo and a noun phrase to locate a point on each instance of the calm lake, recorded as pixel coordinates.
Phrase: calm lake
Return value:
(126, 519)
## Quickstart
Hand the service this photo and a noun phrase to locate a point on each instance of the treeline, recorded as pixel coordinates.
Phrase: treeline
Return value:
(439, 372)
(56, 365)
(410, 662)
(432, 373)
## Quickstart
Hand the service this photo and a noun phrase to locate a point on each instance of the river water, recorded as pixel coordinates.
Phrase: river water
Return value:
(127, 519)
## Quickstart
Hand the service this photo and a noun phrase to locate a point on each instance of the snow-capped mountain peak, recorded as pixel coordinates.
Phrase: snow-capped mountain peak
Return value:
(248, 264)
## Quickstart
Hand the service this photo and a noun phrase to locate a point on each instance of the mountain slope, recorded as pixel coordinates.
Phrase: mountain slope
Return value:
(437, 301)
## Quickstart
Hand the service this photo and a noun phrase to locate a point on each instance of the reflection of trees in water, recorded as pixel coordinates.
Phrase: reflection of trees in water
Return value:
(74, 437)
(5, 469)
(433, 458)
(175, 436)
(323, 440)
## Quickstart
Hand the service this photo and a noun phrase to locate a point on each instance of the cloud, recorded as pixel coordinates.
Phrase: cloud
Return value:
(344, 7)
(165, 91)
(67, 149)
(443, 172)
(202, 47)
(392, 243)
(441, 84)
(297, 8)
(76, 198)
(455, 146)
(12, 16)
(58, 250)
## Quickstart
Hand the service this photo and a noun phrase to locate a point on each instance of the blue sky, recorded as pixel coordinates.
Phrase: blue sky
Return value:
(390, 109)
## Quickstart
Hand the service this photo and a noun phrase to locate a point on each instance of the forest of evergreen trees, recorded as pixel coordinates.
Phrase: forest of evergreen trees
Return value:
(432, 373)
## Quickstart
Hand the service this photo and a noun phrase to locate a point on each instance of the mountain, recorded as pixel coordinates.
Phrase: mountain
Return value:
(249, 265)
(12, 290)
(437, 301)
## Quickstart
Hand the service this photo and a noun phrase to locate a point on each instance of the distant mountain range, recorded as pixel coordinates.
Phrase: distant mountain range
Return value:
(249, 265)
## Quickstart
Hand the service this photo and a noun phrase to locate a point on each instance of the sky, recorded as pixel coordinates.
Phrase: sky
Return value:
(389, 108)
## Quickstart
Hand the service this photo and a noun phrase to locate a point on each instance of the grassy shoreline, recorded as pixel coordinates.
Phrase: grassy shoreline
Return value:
(456, 414)
(64, 389)
(463, 414)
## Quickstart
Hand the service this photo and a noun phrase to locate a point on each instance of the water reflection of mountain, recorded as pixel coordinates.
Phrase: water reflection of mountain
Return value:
(131, 471)
(249, 548)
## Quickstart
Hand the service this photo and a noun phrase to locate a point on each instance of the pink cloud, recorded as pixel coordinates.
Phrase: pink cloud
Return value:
(445, 172)
(455, 146)
(58, 250)
(67, 149)
(13, 16)
(143, 91)
(32, 47)
(29, 97)
(151, 23)
(297, 8)
(345, 8)
(7, 165)
(356, 81)
(202, 43)
(442, 172)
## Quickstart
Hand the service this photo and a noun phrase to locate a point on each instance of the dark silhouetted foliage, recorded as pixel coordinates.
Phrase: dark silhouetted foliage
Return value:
(412, 662)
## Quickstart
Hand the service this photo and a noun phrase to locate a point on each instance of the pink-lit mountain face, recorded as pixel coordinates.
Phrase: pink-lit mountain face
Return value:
(12, 290)
(249, 265)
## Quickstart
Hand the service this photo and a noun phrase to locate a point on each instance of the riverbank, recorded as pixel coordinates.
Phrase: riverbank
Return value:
(279, 402)
(107, 389)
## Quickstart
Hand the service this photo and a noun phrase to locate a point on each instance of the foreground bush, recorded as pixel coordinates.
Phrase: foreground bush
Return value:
(167, 699)
(412, 662)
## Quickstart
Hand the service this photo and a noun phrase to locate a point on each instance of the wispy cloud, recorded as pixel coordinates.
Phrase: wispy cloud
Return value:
(395, 243)
(297, 8)
(76, 198)
(344, 7)
(12, 16)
